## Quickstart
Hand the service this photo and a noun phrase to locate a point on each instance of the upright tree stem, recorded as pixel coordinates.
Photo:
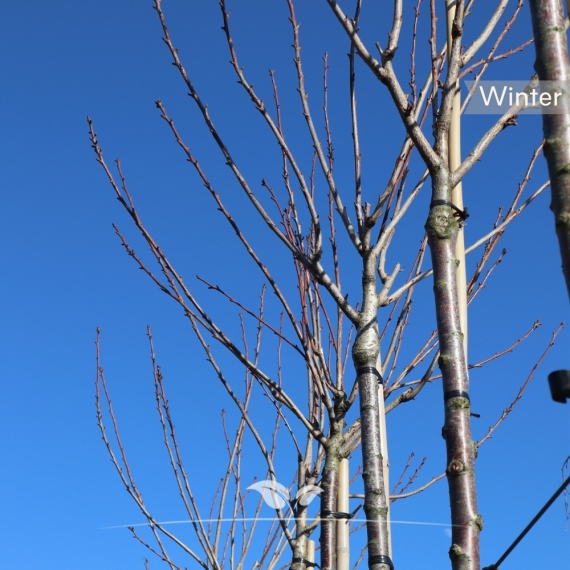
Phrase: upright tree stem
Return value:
(365, 354)
(442, 229)
(375, 502)
(329, 484)
(552, 64)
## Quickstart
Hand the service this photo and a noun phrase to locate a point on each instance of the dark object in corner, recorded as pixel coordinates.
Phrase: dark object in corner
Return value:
(559, 382)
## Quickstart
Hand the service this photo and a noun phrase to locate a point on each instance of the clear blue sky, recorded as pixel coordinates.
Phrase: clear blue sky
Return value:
(64, 274)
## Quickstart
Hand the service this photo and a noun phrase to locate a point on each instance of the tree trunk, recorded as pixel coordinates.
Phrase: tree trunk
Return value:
(365, 354)
(329, 484)
(300, 554)
(442, 228)
(552, 64)
(375, 502)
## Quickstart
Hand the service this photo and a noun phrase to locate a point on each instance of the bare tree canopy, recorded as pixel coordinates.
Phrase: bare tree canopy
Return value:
(340, 268)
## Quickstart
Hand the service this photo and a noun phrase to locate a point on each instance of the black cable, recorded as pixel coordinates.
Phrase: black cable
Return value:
(529, 526)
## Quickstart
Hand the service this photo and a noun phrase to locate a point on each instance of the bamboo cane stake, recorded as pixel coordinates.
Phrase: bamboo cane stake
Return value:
(384, 450)
(457, 193)
(311, 550)
(385, 462)
(342, 528)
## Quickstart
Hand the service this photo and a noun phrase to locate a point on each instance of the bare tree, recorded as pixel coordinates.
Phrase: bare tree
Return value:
(318, 326)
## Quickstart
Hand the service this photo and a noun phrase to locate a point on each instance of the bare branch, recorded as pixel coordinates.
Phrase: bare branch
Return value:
(316, 143)
(355, 135)
(522, 388)
(169, 435)
(385, 73)
(490, 57)
(127, 479)
(394, 35)
(507, 120)
(247, 419)
(418, 490)
(481, 363)
(411, 393)
(251, 313)
(487, 31)
(211, 127)
(501, 227)
(412, 477)
(275, 129)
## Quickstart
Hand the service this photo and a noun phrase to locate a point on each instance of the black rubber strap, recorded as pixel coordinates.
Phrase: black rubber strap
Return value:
(340, 515)
(380, 559)
(335, 515)
(304, 561)
(456, 394)
(370, 370)
(463, 214)
(353, 513)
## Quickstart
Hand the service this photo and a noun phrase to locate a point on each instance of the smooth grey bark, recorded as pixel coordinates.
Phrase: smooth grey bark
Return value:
(375, 502)
(329, 484)
(552, 64)
(299, 553)
(365, 353)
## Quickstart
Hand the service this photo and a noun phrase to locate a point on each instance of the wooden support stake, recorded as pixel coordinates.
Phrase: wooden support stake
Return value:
(385, 462)
(311, 550)
(342, 527)
(457, 193)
